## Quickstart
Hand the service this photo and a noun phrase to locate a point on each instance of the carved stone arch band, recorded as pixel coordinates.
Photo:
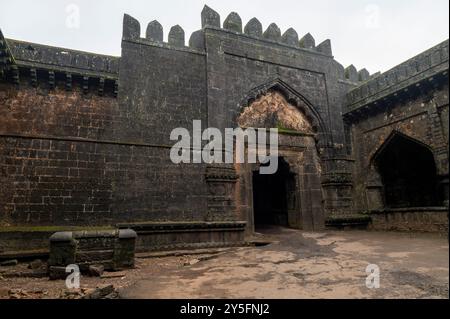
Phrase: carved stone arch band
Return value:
(310, 121)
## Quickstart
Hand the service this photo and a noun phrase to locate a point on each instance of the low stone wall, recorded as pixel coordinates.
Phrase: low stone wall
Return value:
(151, 237)
(427, 219)
(113, 249)
(20, 242)
(348, 222)
(170, 236)
(24, 242)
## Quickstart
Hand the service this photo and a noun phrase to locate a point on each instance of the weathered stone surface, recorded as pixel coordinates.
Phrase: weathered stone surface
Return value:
(155, 32)
(94, 251)
(233, 22)
(290, 37)
(307, 42)
(96, 270)
(85, 138)
(57, 273)
(254, 28)
(351, 74)
(273, 33)
(325, 47)
(176, 36)
(210, 18)
(118, 274)
(273, 111)
(197, 40)
(100, 292)
(131, 28)
(154, 236)
(36, 264)
(394, 108)
(414, 220)
(363, 75)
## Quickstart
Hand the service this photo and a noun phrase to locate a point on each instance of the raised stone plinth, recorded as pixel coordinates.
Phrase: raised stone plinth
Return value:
(187, 235)
(113, 249)
(422, 219)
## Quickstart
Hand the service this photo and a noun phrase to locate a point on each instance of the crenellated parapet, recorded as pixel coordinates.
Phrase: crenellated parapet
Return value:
(154, 35)
(155, 32)
(37, 64)
(355, 76)
(426, 70)
(233, 23)
(254, 29)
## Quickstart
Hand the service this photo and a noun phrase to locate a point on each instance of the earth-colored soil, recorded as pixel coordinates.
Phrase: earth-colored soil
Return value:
(294, 265)
(312, 265)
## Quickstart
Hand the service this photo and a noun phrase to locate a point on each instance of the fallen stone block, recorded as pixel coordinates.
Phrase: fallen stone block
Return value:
(100, 292)
(111, 275)
(96, 270)
(36, 264)
(56, 273)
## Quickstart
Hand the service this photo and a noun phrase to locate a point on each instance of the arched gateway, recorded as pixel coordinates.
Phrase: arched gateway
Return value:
(292, 196)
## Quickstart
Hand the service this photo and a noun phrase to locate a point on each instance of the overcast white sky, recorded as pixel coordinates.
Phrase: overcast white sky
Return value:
(375, 34)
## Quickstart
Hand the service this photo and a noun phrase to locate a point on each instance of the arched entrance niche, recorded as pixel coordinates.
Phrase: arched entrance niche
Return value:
(274, 196)
(408, 173)
(291, 197)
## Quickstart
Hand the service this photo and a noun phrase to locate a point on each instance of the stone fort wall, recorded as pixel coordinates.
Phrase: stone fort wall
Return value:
(85, 138)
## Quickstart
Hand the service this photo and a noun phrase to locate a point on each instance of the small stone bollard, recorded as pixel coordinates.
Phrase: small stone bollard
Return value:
(113, 250)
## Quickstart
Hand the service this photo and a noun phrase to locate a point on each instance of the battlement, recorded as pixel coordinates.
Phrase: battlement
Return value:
(40, 56)
(42, 63)
(210, 19)
(427, 66)
(355, 76)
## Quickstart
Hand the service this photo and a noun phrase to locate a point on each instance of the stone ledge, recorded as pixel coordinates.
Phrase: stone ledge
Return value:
(182, 226)
(163, 236)
(411, 210)
(415, 219)
(348, 221)
(25, 254)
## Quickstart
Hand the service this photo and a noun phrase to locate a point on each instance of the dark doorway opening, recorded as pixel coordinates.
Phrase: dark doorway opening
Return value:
(408, 173)
(274, 196)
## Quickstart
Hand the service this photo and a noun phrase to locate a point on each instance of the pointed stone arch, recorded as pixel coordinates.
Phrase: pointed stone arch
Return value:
(408, 172)
(300, 147)
(394, 135)
(295, 99)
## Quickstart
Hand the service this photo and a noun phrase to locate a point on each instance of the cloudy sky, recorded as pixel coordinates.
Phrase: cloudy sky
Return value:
(375, 34)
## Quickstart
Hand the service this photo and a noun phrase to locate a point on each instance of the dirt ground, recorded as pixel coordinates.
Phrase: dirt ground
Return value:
(295, 265)
(310, 265)
(146, 266)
